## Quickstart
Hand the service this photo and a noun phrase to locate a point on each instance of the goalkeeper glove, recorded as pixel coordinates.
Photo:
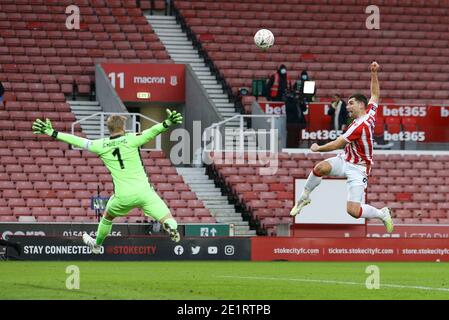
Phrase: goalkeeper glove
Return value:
(41, 127)
(173, 117)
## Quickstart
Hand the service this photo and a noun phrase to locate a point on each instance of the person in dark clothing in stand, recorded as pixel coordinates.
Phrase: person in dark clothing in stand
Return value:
(304, 98)
(2, 91)
(278, 85)
(296, 120)
(339, 114)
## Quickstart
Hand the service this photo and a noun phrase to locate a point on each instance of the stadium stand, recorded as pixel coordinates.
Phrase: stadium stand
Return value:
(42, 60)
(329, 39)
(40, 63)
(415, 196)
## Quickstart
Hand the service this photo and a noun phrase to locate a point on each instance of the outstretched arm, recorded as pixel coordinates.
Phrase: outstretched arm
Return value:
(41, 127)
(339, 143)
(375, 90)
(173, 118)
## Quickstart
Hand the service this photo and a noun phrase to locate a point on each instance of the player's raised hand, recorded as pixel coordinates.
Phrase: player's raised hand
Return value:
(173, 117)
(314, 147)
(374, 66)
(41, 127)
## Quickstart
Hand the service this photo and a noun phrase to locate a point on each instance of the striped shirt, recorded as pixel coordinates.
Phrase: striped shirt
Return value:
(359, 136)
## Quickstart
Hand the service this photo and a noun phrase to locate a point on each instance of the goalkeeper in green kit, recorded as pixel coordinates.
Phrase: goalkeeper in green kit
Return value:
(120, 154)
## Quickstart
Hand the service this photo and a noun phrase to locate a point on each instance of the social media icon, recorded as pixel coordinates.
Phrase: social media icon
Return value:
(212, 250)
(179, 250)
(229, 250)
(195, 250)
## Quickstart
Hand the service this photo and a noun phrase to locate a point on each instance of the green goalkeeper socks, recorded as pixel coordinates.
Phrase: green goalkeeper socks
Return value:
(104, 228)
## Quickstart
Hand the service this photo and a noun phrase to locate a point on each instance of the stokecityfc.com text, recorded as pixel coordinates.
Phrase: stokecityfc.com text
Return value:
(335, 251)
(371, 251)
(296, 251)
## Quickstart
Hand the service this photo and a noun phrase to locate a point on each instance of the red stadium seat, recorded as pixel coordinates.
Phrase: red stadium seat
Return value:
(22, 185)
(71, 203)
(242, 187)
(67, 194)
(34, 202)
(21, 211)
(6, 218)
(208, 219)
(437, 197)
(44, 219)
(53, 202)
(76, 211)
(169, 171)
(156, 154)
(254, 204)
(187, 195)
(202, 212)
(195, 204)
(61, 218)
(178, 204)
(175, 179)
(273, 204)
(438, 214)
(171, 195)
(181, 187)
(268, 195)
(164, 187)
(184, 212)
(260, 187)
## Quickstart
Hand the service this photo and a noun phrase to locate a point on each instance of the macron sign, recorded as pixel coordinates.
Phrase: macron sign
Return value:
(147, 82)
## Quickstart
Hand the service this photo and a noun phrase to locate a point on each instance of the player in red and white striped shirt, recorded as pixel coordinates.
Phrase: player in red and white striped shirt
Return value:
(356, 161)
(359, 135)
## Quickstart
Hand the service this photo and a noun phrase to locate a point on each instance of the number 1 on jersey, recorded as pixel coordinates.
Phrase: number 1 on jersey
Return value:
(116, 153)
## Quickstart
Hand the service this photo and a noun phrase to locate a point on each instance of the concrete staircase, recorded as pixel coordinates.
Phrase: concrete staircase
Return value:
(213, 200)
(181, 50)
(83, 109)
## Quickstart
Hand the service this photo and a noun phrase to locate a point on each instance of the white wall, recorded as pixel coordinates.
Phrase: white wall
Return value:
(328, 204)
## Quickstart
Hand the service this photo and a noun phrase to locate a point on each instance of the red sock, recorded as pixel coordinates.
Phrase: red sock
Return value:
(360, 212)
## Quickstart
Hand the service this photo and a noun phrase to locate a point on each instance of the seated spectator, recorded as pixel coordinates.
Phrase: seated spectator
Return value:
(278, 85)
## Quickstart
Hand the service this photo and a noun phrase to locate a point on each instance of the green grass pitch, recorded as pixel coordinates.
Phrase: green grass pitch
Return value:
(222, 280)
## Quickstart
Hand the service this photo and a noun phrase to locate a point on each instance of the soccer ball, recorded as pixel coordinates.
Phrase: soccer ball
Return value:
(264, 39)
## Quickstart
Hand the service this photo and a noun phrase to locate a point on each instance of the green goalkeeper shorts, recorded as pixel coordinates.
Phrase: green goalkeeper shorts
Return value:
(149, 201)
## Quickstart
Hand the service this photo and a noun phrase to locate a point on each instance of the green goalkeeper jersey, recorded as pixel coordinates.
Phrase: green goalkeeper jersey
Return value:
(121, 157)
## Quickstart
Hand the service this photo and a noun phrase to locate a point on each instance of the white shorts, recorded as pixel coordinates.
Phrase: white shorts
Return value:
(356, 175)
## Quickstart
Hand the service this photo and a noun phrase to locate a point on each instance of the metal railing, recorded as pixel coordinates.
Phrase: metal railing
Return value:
(132, 121)
(214, 136)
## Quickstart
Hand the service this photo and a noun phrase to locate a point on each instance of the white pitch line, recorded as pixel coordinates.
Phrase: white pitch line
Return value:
(339, 282)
